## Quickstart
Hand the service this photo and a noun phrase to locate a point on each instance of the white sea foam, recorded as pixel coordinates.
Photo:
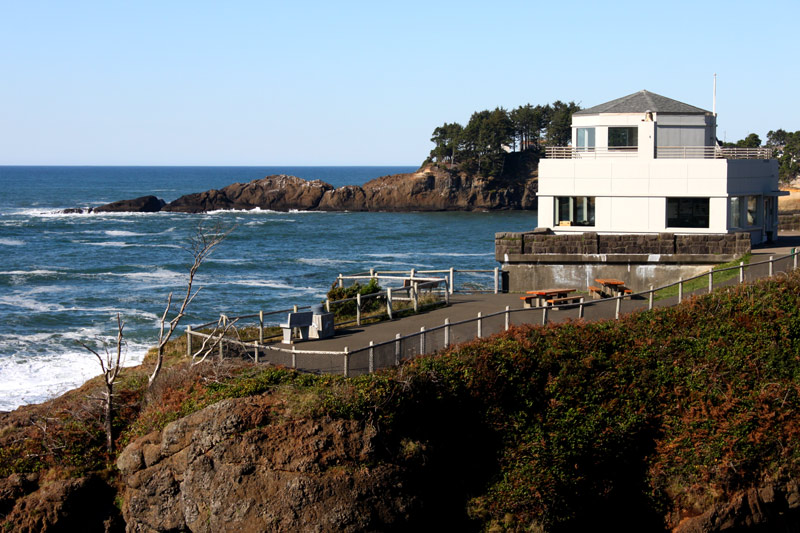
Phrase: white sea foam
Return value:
(271, 284)
(29, 273)
(25, 380)
(114, 244)
(323, 261)
(11, 242)
(23, 301)
(122, 233)
(160, 276)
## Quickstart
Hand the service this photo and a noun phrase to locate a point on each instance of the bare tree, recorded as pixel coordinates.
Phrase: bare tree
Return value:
(213, 340)
(111, 364)
(200, 245)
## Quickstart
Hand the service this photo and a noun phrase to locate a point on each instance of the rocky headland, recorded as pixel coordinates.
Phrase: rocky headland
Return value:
(431, 188)
(682, 419)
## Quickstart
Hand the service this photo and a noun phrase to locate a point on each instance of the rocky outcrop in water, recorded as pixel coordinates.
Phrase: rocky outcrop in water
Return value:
(428, 189)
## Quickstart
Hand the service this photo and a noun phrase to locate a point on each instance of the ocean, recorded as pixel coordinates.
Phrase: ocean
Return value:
(64, 278)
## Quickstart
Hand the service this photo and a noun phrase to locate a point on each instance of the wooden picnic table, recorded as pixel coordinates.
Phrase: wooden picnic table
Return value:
(615, 286)
(541, 296)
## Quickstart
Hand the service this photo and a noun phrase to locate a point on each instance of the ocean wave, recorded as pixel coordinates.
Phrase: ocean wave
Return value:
(30, 273)
(271, 284)
(28, 379)
(21, 301)
(11, 242)
(323, 261)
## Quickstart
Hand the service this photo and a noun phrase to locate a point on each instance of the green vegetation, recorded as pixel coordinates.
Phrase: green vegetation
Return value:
(702, 282)
(481, 145)
(348, 309)
(560, 427)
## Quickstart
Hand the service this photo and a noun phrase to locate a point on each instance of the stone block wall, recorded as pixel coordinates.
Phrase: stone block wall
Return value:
(729, 244)
(662, 243)
(538, 242)
(789, 221)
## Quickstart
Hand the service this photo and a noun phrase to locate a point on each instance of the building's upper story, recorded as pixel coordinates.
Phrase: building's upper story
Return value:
(646, 125)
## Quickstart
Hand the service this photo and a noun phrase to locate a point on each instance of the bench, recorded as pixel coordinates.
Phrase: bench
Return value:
(531, 300)
(301, 321)
(597, 292)
(566, 300)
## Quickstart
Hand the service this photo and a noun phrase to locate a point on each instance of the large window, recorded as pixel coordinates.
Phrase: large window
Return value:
(687, 212)
(574, 211)
(736, 212)
(586, 139)
(752, 210)
(623, 138)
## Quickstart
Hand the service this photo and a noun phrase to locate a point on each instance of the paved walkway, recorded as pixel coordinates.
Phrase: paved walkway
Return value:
(467, 306)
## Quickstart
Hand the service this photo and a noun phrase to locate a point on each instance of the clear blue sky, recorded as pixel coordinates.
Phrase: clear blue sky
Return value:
(361, 83)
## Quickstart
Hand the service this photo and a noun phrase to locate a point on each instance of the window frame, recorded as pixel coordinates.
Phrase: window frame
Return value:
(687, 201)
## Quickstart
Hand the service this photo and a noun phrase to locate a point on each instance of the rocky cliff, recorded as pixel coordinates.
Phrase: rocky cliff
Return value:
(429, 189)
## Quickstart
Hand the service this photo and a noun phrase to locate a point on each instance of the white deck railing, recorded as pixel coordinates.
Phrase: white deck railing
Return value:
(662, 152)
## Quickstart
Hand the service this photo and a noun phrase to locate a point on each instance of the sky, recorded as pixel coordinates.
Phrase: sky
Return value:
(362, 83)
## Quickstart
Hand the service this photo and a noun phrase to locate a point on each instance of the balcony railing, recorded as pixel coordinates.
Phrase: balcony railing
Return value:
(711, 152)
(662, 152)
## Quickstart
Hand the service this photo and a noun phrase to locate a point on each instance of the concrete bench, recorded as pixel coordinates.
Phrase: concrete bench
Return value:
(301, 321)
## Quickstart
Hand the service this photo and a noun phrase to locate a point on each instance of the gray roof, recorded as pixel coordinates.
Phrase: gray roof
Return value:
(644, 101)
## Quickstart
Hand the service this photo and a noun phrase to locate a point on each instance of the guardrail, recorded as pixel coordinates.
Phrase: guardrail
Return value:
(662, 152)
(407, 274)
(391, 352)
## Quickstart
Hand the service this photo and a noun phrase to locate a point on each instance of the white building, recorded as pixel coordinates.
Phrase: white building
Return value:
(645, 163)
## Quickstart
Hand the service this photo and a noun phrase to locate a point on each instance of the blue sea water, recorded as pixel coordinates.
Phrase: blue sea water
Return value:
(63, 278)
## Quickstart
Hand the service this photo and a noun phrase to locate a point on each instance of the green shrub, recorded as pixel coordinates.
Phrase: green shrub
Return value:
(348, 309)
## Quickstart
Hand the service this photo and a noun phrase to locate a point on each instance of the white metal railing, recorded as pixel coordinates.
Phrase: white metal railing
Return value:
(571, 152)
(711, 152)
(412, 273)
(662, 152)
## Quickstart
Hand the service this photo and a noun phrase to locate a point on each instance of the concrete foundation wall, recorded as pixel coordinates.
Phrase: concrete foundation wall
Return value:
(540, 259)
(524, 277)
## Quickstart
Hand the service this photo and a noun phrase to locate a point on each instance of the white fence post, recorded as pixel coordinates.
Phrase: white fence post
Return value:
(346, 362)
(358, 309)
(580, 309)
(794, 257)
(371, 357)
(397, 349)
(415, 290)
(221, 348)
(452, 279)
(770, 265)
(741, 271)
(389, 302)
(448, 289)
(508, 317)
(480, 325)
(294, 309)
(710, 280)
(680, 289)
(496, 280)
(544, 315)
(255, 353)
(650, 302)
(294, 357)
(446, 332)
(260, 327)
(188, 341)
(422, 340)
(616, 313)
(327, 305)
(341, 281)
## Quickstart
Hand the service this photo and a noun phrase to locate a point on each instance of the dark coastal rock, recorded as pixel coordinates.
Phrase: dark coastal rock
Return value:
(233, 466)
(143, 204)
(277, 193)
(429, 189)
